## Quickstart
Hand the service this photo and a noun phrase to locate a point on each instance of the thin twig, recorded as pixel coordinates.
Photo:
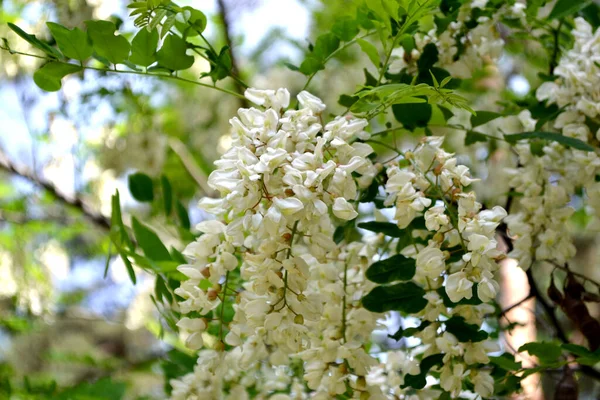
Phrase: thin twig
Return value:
(517, 304)
(235, 71)
(131, 72)
(73, 201)
(191, 166)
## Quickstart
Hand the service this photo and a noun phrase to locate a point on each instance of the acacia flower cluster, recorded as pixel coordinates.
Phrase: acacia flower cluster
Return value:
(548, 182)
(431, 185)
(296, 290)
(284, 183)
(466, 43)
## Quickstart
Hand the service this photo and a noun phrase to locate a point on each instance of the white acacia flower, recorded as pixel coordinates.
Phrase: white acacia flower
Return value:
(276, 99)
(288, 206)
(458, 286)
(431, 262)
(343, 210)
(484, 383)
(487, 288)
(311, 102)
(451, 377)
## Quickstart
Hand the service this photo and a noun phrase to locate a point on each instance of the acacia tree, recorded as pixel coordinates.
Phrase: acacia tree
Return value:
(325, 223)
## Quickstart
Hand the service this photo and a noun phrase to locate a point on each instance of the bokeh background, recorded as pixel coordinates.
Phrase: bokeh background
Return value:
(69, 314)
(61, 319)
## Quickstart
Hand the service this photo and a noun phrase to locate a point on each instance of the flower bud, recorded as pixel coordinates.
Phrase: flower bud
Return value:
(299, 319)
(361, 383)
(212, 294)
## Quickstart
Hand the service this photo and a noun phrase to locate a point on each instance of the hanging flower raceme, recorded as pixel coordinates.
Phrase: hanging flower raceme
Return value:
(284, 183)
(455, 255)
(548, 182)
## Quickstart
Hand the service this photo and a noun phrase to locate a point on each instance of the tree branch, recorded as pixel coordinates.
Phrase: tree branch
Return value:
(73, 201)
(517, 304)
(235, 71)
(191, 166)
(548, 309)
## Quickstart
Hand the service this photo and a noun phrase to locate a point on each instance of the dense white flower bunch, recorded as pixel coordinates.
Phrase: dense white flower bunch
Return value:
(284, 183)
(578, 74)
(431, 184)
(468, 42)
(549, 182)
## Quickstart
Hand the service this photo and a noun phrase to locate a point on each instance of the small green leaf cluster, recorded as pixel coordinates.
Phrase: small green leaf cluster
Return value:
(161, 45)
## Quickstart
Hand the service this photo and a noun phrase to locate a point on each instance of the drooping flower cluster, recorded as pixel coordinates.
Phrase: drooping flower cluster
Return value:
(295, 289)
(430, 185)
(469, 41)
(550, 181)
(283, 183)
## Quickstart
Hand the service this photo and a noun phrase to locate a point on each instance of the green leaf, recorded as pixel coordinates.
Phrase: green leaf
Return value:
(556, 137)
(395, 268)
(370, 50)
(311, 65)
(128, 265)
(483, 117)
(175, 364)
(159, 14)
(474, 300)
(161, 291)
(412, 115)
(197, 21)
(347, 101)
(221, 64)
(585, 356)
(428, 58)
(183, 216)
(35, 42)
(325, 45)
(387, 228)
(577, 349)
(118, 233)
(474, 137)
(345, 28)
(407, 332)
(419, 381)
(141, 187)
(143, 47)
(114, 48)
(167, 25)
(167, 194)
(49, 77)
(405, 297)
(507, 362)
(546, 352)
(173, 55)
(73, 43)
(149, 241)
(103, 388)
(565, 8)
(464, 331)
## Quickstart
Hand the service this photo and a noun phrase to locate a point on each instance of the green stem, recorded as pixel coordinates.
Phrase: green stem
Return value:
(344, 302)
(329, 57)
(223, 305)
(288, 255)
(385, 145)
(408, 22)
(172, 77)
